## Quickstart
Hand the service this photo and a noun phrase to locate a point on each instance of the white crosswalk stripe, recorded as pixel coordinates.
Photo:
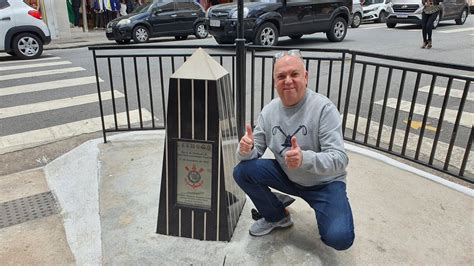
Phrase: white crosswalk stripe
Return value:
(38, 137)
(49, 85)
(40, 73)
(56, 104)
(48, 64)
(434, 112)
(441, 91)
(456, 30)
(29, 61)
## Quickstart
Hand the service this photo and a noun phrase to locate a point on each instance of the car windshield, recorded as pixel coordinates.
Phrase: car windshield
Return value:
(142, 9)
(371, 2)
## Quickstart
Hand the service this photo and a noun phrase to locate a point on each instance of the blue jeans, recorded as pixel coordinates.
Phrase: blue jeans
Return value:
(329, 201)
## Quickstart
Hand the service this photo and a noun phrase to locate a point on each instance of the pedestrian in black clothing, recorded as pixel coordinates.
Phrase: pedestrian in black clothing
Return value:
(429, 15)
(130, 6)
(76, 5)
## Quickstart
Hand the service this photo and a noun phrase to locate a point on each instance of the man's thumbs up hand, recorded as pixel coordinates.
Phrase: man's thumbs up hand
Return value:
(246, 143)
(294, 144)
(249, 132)
(294, 157)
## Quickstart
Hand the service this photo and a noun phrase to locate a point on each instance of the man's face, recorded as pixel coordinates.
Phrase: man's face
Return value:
(291, 79)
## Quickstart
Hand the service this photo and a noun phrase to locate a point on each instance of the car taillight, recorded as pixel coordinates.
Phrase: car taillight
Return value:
(35, 14)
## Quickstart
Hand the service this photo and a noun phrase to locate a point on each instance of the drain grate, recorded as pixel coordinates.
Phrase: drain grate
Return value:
(27, 209)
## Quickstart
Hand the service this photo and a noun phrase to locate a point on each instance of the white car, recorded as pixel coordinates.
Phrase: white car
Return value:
(22, 30)
(376, 10)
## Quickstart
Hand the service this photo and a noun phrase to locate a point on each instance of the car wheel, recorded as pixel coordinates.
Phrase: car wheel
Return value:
(181, 37)
(338, 30)
(296, 36)
(200, 30)
(27, 46)
(382, 17)
(356, 20)
(141, 34)
(126, 41)
(391, 25)
(267, 35)
(463, 17)
(223, 41)
(436, 21)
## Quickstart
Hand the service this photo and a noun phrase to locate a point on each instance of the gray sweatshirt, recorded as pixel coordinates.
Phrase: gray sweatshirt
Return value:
(316, 123)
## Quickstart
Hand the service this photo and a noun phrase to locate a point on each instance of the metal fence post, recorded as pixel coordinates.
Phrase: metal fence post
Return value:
(240, 75)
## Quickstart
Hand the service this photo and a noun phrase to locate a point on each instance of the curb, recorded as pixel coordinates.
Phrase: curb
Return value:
(74, 45)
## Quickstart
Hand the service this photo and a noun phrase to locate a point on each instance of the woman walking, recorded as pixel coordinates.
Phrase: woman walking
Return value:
(429, 15)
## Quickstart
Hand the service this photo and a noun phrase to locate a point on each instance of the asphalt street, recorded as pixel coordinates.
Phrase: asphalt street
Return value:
(48, 106)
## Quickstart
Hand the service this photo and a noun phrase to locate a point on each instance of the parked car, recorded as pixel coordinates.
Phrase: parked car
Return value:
(265, 22)
(471, 6)
(376, 10)
(22, 30)
(176, 18)
(357, 13)
(409, 12)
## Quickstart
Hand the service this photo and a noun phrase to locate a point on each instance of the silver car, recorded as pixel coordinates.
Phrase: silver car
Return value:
(357, 13)
(409, 12)
(22, 30)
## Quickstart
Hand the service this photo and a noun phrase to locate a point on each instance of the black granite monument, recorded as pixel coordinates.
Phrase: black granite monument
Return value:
(199, 198)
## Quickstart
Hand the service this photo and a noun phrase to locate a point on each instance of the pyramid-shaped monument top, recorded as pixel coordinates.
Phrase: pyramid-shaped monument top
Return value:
(200, 66)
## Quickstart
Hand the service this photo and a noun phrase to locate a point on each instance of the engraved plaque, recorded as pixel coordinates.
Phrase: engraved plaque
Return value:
(194, 174)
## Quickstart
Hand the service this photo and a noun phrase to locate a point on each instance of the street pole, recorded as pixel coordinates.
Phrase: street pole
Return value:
(240, 75)
(84, 16)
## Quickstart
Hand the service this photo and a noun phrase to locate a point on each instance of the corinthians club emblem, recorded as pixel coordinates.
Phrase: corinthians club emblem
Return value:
(193, 179)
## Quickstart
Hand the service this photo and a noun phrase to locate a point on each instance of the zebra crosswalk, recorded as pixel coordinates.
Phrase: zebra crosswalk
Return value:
(426, 146)
(63, 79)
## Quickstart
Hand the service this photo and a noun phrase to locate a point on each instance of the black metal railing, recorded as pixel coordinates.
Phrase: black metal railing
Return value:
(414, 109)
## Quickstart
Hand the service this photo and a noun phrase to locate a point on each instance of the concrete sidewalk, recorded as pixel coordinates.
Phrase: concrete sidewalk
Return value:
(108, 195)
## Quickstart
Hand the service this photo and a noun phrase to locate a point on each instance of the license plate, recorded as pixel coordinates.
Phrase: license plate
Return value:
(108, 30)
(402, 15)
(215, 23)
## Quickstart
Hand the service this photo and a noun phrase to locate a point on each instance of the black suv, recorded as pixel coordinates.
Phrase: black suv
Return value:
(266, 20)
(178, 18)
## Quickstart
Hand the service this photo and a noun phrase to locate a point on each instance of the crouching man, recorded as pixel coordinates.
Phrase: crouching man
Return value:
(303, 130)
